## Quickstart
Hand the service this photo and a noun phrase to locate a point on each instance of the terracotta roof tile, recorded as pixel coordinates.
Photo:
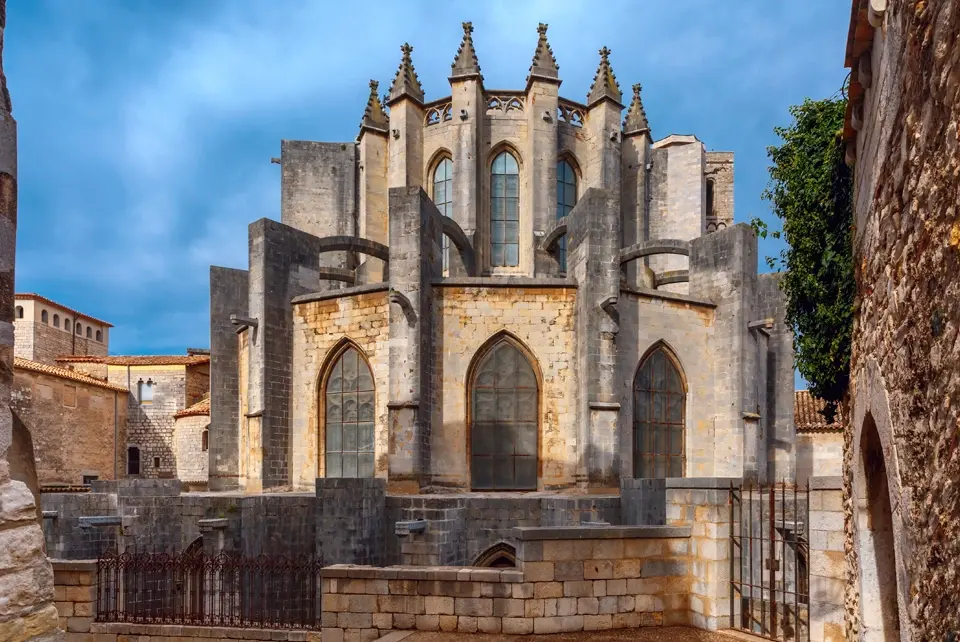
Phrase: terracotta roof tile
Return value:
(140, 360)
(807, 416)
(63, 373)
(38, 297)
(198, 409)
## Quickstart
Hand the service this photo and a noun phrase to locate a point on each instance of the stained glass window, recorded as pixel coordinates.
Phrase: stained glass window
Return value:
(658, 418)
(349, 417)
(505, 211)
(503, 431)
(443, 199)
(566, 199)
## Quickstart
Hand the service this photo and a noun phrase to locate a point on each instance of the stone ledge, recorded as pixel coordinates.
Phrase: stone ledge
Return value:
(532, 533)
(826, 483)
(213, 632)
(73, 565)
(503, 282)
(668, 296)
(703, 483)
(369, 288)
(424, 573)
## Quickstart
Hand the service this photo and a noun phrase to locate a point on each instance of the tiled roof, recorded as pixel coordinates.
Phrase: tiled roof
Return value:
(807, 416)
(140, 360)
(63, 373)
(198, 409)
(38, 297)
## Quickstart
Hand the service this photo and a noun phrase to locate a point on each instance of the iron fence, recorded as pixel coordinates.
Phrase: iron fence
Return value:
(274, 592)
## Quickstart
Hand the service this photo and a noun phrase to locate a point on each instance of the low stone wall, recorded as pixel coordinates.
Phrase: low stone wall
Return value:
(121, 632)
(827, 560)
(570, 579)
(74, 593)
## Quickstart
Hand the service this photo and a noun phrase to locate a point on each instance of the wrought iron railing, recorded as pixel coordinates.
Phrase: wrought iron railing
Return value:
(268, 592)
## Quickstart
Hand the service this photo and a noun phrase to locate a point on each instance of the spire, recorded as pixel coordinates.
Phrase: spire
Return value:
(373, 116)
(544, 65)
(465, 63)
(4, 92)
(636, 120)
(406, 82)
(604, 83)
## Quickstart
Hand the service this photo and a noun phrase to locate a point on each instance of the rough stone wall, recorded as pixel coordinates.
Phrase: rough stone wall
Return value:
(541, 318)
(192, 459)
(72, 425)
(320, 327)
(50, 342)
(65, 538)
(150, 425)
(197, 383)
(719, 169)
(684, 326)
(776, 393)
(350, 526)
(228, 295)
(318, 187)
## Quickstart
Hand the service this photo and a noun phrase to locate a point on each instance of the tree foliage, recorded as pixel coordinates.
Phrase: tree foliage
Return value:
(811, 191)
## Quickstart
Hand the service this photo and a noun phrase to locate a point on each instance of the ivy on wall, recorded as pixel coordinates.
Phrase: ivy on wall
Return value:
(811, 192)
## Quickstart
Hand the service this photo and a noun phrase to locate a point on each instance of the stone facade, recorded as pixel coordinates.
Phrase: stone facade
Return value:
(191, 438)
(46, 330)
(901, 462)
(78, 424)
(425, 279)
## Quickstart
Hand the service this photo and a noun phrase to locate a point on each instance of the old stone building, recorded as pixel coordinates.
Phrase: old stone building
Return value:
(901, 454)
(77, 423)
(159, 387)
(500, 290)
(819, 442)
(45, 330)
(191, 438)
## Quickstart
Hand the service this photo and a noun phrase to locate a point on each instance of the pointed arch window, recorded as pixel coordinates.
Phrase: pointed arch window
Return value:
(504, 413)
(443, 199)
(349, 417)
(505, 211)
(659, 400)
(566, 200)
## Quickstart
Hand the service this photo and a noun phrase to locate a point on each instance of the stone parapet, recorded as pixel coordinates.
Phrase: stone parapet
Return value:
(121, 631)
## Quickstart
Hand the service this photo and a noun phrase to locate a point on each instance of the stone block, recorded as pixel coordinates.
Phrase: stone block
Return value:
(522, 591)
(428, 622)
(616, 587)
(355, 620)
(377, 587)
(79, 624)
(503, 607)
(558, 550)
(568, 570)
(548, 589)
(361, 604)
(550, 607)
(332, 634)
(601, 622)
(383, 621)
(546, 625)
(565, 606)
(83, 609)
(64, 609)
(578, 589)
(588, 606)
(631, 620)
(538, 571)
(627, 568)
(596, 570)
(437, 605)
(643, 548)
(404, 621)
(448, 623)
(533, 608)
(599, 588)
(516, 626)
(664, 568)
(645, 603)
(608, 549)
(488, 624)
(626, 603)
(828, 564)
(488, 589)
(467, 624)
(474, 606)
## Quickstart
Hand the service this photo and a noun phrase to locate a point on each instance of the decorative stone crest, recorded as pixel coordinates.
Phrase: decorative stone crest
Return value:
(465, 64)
(636, 120)
(406, 83)
(544, 63)
(374, 118)
(605, 85)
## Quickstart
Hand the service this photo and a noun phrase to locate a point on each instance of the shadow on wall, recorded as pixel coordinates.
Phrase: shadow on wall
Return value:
(22, 463)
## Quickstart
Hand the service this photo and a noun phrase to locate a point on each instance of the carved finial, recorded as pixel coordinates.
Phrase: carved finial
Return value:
(544, 64)
(605, 86)
(406, 82)
(374, 118)
(465, 63)
(636, 120)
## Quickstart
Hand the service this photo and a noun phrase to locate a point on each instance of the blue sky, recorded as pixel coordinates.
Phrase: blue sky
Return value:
(146, 127)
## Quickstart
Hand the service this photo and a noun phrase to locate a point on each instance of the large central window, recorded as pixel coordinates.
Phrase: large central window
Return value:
(659, 398)
(503, 429)
(443, 199)
(505, 211)
(349, 417)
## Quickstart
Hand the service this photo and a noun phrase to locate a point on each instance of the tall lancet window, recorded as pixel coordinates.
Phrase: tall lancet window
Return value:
(505, 211)
(566, 199)
(659, 399)
(443, 199)
(349, 417)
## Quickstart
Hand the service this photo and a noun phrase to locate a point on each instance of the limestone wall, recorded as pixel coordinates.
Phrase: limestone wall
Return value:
(903, 116)
(827, 565)
(73, 427)
(819, 454)
(192, 458)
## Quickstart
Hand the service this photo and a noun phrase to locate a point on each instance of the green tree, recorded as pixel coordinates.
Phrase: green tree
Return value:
(811, 192)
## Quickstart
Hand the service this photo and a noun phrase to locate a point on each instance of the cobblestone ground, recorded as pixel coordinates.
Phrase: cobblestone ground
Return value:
(652, 634)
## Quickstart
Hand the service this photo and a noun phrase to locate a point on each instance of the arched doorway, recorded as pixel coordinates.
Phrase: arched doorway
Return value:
(504, 405)
(878, 561)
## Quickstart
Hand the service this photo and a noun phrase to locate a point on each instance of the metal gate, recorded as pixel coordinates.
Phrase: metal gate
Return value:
(769, 571)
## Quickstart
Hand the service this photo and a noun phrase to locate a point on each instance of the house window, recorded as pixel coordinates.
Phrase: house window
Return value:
(43, 316)
(349, 417)
(87, 479)
(145, 391)
(503, 426)
(710, 211)
(443, 199)
(205, 440)
(99, 335)
(133, 460)
(66, 324)
(56, 320)
(505, 211)
(79, 330)
(89, 332)
(659, 398)
(19, 311)
(566, 199)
